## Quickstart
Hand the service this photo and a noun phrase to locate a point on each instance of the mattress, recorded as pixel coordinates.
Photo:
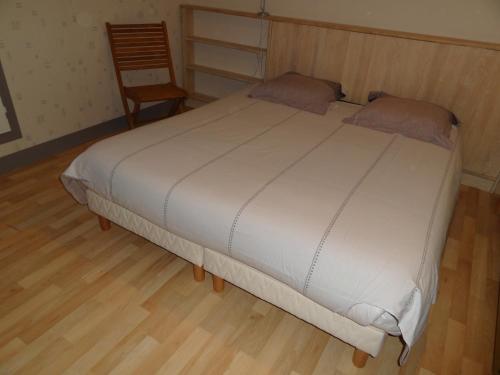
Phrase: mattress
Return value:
(351, 218)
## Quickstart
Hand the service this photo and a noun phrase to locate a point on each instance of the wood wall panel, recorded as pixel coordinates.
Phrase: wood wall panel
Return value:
(464, 79)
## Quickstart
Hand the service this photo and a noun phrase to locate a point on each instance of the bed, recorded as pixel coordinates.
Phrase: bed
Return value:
(340, 225)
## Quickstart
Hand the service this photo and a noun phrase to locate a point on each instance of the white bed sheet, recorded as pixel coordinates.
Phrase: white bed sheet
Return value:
(352, 218)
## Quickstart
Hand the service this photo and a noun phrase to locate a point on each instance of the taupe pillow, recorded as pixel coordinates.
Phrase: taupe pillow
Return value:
(412, 118)
(298, 91)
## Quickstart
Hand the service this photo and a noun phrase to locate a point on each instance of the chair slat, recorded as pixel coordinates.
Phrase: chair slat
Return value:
(140, 49)
(139, 62)
(143, 65)
(142, 58)
(125, 53)
(139, 38)
(134, 25)
(138, 34)
(138, 44)
(142, 62)
(131, 30)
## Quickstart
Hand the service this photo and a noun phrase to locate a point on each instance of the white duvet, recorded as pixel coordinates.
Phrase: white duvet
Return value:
(352, 218)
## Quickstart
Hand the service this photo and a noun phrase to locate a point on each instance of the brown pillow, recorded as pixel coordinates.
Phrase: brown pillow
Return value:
(298, 91)
(374, 95)
(412, 118)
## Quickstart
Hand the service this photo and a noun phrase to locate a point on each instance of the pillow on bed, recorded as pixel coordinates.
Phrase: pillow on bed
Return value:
(298, 91)
(412, 118)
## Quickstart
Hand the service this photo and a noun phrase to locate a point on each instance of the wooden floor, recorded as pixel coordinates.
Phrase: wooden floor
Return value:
(76, 300)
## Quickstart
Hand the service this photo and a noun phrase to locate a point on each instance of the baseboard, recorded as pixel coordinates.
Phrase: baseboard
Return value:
(50, 148)
(479, 182)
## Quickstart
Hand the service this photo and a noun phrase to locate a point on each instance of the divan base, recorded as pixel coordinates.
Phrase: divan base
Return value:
(127, 219)
(366, 339)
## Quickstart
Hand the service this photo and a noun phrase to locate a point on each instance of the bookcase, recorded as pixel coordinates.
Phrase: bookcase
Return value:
(204, 48)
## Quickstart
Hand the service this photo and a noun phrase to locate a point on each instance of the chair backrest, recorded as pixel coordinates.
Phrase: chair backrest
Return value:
(140, 46)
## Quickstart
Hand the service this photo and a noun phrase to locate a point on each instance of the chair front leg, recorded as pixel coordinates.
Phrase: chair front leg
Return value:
(130, 121)
(181, 107)
(137, 108)
(173, 109)
(135, 111)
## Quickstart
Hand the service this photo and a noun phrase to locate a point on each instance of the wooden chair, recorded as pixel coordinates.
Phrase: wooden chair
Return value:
(143, 46)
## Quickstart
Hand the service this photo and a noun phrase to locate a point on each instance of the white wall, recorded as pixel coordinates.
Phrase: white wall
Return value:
(59, 71)
(469, 19)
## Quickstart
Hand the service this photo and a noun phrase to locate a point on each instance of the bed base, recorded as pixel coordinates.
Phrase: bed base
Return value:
(218, 283)
(365, 340)
(198, 273)
(359, 357)
(104, 223)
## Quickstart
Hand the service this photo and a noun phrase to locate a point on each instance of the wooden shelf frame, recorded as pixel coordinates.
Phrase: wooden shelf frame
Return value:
(229, 12)
(189, 40)
(223, 73)
(202, 97)
(354, 28)
(226, 44)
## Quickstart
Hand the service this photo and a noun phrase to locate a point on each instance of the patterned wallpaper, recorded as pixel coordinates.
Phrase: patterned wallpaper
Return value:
(58, 65)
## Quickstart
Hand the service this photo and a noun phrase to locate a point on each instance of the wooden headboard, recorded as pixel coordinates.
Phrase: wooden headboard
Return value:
(464, 79)
(461, 75)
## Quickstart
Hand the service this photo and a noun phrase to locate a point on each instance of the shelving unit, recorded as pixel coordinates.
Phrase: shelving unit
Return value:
(223, 43)
(189, 40)
(222, 73)
(202, 97)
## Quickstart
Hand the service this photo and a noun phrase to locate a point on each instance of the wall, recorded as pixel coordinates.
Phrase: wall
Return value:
(474, 20)
(469, 19)
(58, 66)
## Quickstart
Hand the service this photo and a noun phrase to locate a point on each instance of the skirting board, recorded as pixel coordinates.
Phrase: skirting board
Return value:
(479, 182)
(47, 149)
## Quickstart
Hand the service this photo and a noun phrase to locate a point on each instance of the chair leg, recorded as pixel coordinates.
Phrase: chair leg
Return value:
(175, 107)
(129, 115)
(198, 273)
(181, 108)
(104, 223)
(218, 283)
(130, 120)
(135, 113)
(359, 358)
(137, 108)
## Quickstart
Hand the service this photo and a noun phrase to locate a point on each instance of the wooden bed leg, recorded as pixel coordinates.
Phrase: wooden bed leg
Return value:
(218, 283)
(359, 358)
(198, 273)
(104, 223)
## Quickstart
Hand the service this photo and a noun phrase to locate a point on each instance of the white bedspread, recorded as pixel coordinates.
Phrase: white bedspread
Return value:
(353, 218)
